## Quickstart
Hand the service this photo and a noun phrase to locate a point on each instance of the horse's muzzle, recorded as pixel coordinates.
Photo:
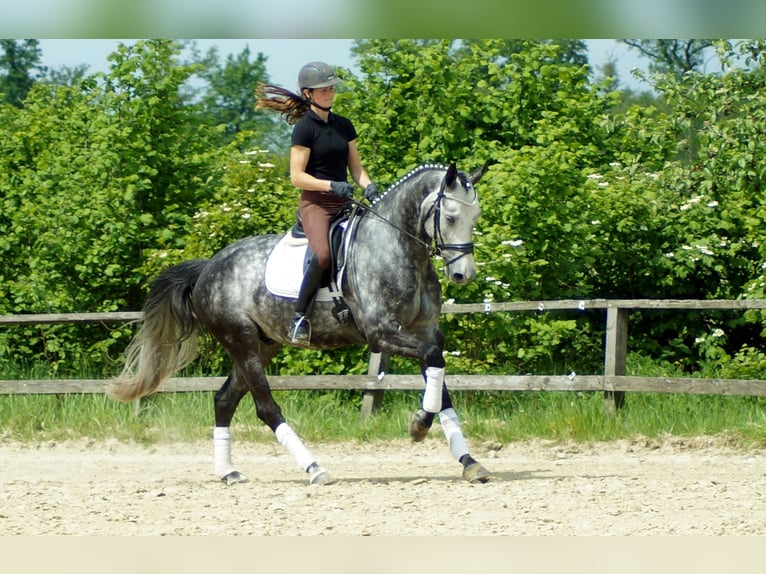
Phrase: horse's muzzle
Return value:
(461, 270)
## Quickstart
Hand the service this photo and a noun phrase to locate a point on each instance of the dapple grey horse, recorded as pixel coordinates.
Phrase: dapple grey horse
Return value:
(389, 285)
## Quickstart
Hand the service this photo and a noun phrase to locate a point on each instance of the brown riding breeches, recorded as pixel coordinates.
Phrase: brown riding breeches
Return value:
(316, 220)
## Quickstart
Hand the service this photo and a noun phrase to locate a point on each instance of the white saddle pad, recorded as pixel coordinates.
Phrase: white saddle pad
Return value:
(284, 269)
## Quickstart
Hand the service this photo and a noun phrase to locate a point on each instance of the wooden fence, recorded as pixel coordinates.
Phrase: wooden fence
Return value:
(613, 383)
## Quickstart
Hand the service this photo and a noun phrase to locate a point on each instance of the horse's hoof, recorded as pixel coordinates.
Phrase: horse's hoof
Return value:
(321, 477)
(476, 474)
(420, 423)
(234, 477)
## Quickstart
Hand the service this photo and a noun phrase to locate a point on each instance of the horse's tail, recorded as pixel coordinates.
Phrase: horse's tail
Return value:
(167, 340)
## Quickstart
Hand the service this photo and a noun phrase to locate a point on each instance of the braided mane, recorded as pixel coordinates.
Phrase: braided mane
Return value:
(412, 173)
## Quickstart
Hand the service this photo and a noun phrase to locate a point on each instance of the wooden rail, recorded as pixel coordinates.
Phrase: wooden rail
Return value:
(613, 382)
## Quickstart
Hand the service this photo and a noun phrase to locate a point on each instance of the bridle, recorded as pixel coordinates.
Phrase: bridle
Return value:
(436, 208)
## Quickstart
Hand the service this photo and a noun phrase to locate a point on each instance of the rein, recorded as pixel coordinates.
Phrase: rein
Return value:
(432, 250)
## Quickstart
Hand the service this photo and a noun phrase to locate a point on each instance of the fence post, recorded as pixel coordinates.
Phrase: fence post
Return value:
(614, 354)
(372, 400)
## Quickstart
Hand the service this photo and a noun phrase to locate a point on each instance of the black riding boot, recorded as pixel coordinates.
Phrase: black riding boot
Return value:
(300, 329)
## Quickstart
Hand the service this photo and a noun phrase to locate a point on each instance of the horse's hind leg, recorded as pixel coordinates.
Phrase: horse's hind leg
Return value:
(227, 399)
(250, 376)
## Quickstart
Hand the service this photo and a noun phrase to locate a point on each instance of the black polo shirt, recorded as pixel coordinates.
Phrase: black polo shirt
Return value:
(328, 143)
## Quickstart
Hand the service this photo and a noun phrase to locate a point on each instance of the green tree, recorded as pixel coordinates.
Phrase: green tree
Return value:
(105, 181)
(18, 61)
(533, 114)
(682, 215)
(67, 75)
(674, 56)
(92, 176)
(228, 101)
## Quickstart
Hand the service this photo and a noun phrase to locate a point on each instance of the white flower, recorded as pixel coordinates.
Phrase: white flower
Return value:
(513, 242)
(692, 201)
(712, 204)
(717, 333)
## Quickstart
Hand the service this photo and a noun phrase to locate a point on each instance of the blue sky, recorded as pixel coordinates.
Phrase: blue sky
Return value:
(285, 56)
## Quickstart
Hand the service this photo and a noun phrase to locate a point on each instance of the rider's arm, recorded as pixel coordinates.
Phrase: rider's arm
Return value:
(299, 159)
(355, 168)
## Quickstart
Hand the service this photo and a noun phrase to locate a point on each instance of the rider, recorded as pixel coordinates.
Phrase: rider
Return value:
(322, 155)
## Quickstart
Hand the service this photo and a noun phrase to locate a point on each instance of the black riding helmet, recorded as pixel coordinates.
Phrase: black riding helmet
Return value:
(316, 75)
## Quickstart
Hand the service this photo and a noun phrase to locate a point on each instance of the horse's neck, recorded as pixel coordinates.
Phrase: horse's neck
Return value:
(402, 206)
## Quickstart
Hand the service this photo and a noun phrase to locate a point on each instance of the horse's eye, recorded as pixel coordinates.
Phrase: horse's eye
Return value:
(450, 219)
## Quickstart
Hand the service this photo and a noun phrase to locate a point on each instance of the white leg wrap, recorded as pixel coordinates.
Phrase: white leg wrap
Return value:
(222, 452)
(432, 398)
(288, 439)
(452, 432)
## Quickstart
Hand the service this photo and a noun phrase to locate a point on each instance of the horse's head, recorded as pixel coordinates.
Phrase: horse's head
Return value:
(449, 215)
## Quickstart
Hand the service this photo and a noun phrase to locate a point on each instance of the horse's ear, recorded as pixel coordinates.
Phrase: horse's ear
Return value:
(475, 176)
(451, 175)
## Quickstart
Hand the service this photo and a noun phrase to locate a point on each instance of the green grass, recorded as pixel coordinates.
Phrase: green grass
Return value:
(326, 416)
(334, 416)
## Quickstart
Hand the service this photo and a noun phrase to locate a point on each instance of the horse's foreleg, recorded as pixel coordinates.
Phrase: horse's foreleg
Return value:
(473, 471)
(422, 420)
(435, 397)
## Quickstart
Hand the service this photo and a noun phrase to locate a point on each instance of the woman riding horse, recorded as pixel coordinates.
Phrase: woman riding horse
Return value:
(323, 151)
(393, 295)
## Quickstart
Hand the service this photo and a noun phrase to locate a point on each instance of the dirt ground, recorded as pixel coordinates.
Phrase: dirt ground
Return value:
(639, 487)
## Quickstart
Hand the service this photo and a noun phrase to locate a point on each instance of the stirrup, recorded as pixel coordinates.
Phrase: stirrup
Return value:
(300, 330)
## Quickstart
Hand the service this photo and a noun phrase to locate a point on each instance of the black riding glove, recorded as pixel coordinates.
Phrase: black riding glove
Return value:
(342, 189)
(371, 193)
